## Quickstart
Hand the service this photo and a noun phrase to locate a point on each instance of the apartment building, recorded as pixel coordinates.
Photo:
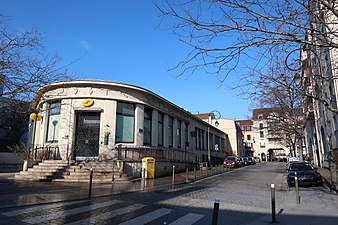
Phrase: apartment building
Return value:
(248, 136)
(319, 81)
(268, 143)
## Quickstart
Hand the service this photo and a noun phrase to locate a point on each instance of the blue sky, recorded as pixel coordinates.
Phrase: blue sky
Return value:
(123, 44)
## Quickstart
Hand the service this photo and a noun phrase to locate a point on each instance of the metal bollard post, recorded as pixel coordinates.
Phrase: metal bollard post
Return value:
(173, 178)
(187, 176)
(297, 190)
(206, 171)
(194, 173)
(215, 212)
(201, 171)
(90, 182)
(273, 203)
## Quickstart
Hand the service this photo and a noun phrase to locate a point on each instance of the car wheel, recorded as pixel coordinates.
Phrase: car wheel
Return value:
(289, 184)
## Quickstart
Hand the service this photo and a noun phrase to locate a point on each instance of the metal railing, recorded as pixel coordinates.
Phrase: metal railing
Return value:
(45, 153)
(164, 154)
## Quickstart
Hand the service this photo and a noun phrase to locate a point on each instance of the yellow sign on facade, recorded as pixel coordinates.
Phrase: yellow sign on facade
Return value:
(88, 102)
(34, 116)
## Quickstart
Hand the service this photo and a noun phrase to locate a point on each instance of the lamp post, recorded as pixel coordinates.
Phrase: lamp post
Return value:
(216, 115)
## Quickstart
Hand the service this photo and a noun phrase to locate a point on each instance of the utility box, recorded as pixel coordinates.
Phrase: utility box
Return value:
(148, 167)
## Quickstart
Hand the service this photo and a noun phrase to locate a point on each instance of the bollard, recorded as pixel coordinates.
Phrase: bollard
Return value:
(90, 182)
(194, 173)
(187, 176)
(297, 190)
(215, 212)
(173, 179)
(273, 203)
(201, 171)
(206, 171)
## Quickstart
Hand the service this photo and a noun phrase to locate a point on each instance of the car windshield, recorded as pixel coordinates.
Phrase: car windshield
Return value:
(230, 158)
(300, 166)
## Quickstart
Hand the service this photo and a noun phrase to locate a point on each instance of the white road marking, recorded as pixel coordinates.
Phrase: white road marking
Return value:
(63, 214)
(108, 215)
(146, 218)
(188, 219)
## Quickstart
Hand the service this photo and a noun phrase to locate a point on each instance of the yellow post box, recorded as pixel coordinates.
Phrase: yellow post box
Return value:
(148, 167)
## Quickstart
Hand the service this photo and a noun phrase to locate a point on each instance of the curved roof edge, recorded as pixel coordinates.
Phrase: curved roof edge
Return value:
(93, 82)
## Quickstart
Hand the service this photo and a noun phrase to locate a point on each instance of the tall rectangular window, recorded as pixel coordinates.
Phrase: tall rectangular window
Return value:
(200, 138)
(261, 134)
(147, 126)
(261, 126)
(179, 134)
(170, 131)
(186, 135)
(53, 122)
(217, 143)
(125, 120)
(160, 129)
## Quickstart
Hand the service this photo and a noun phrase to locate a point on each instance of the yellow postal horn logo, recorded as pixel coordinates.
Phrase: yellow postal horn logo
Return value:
(87, 102)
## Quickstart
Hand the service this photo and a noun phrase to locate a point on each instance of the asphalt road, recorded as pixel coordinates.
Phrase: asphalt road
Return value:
(244, 194)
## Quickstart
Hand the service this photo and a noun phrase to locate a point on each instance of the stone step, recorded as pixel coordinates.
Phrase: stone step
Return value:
(61, 170)
(27, 173)
(57, 162)
(55, 165)
(42, 170)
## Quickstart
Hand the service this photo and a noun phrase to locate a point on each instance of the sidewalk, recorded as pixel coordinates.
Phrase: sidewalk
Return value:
(326, 174)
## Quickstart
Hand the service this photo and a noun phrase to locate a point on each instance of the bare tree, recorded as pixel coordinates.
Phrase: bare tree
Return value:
(25, 66)
(240, 37)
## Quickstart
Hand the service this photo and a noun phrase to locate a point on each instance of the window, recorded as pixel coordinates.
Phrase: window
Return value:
(179, 134)
(53, 122)
(217, 143)
(200, 138)
(261, 126)
(170, 132)
(262, 144)
(125, 115)
(160, 129)
(261, 134)
(186, 140)
(248, 137)
(147, 126)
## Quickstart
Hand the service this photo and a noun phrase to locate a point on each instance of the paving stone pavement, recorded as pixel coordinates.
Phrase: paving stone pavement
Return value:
(318, 205)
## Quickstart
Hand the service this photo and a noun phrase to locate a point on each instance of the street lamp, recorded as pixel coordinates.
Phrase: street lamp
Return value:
(216, 115)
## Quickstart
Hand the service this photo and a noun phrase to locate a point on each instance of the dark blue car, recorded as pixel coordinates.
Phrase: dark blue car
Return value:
(306, 174)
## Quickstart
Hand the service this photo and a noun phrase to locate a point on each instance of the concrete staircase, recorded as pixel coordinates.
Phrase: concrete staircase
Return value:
(59, 170)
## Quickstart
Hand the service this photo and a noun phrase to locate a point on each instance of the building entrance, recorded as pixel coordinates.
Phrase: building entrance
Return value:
(87, 135)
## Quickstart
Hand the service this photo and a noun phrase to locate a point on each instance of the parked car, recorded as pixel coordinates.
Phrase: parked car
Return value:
(251, 161)
(257, 159)
(246, 161)
(231, 162)
(240, 161)
(306, 173)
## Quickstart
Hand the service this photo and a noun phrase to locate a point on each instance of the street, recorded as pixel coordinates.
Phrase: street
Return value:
(244, 194)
